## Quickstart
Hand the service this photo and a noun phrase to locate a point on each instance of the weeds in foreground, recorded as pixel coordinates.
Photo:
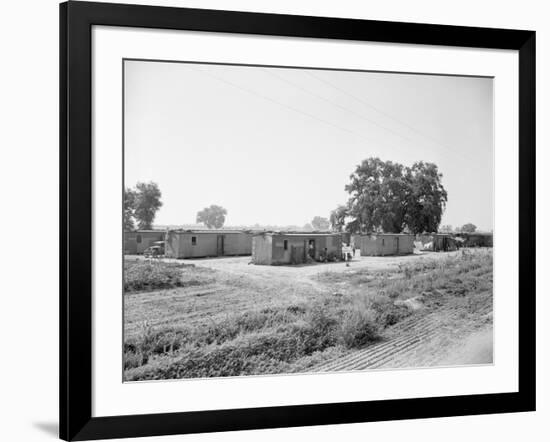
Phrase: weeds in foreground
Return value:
(274, 337)
(286, 338)
(155, 275)
(247, 343)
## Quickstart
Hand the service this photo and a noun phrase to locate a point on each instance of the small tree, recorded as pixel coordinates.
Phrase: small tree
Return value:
(146, 204)
(212, 217)
(129, 203)
(320, 223)
(469, 228)
(307, 227)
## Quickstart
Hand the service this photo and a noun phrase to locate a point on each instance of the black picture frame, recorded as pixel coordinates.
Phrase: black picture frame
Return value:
(76, 21)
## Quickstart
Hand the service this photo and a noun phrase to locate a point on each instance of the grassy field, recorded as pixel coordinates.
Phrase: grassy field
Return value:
(187, 321)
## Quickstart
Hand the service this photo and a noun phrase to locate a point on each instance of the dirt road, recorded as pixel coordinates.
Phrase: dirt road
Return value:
(302, 275)
(241, 264)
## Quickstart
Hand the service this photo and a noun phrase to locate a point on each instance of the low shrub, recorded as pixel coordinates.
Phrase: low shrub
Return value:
(151, 341)
(316, 331)
(154, 275)
(386, 313)
(358, 328)
(251, 354)
(132, 360)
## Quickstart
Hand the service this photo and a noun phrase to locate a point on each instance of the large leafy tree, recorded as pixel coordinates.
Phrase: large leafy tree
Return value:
(129, 203)
(379, 193)
(212, 217)
(427, 198)
(389, 197)
(320, 223)
(146, 204)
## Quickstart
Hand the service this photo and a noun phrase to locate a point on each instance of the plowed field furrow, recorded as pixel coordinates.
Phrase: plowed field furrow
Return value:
(418, 329)
(411, 338)
(377, 349)
(403, 356)
(372, 354)
(402, 348)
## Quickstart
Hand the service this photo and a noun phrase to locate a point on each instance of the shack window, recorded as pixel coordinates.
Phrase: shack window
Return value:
(138, 239)
(382, 241)
(193, 240)
(285, 244)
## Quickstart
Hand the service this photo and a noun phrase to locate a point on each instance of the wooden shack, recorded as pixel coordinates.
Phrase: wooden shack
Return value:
(137, 241)
(273, 248)
(205, 243)
(437, 242)
(384, 244)
(476, 239)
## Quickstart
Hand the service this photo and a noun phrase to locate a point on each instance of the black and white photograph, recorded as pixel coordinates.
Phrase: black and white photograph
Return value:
(284, 220)
(277, 220)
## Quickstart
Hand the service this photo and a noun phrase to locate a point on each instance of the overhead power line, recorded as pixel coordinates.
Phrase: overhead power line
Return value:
(332, 103)
(292, 108)
(387, 115)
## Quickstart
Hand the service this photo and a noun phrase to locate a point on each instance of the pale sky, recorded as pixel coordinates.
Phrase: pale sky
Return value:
(276, 146)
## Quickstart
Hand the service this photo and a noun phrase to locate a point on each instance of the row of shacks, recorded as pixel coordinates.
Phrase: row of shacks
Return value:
(190, 243)
(271, 248)
(447, 242)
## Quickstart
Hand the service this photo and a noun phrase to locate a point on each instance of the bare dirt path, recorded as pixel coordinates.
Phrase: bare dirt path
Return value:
(241, 264)
(443, 337)
(305, 274)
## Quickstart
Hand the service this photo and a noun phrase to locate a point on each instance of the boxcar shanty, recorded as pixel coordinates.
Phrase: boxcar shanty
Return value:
(476, 239)
(437, 242)
(136, 242)
(273, 248)
(384, 244)
(205, 243)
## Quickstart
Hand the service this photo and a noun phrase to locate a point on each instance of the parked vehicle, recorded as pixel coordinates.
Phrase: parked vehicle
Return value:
(155, 250)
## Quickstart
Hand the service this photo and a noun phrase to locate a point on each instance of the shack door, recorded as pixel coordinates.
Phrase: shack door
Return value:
(220, 248)
(297, 254)
(311, 248)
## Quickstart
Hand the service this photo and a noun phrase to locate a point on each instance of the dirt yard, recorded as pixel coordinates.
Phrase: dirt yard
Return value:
(242, 264)
(230, 317)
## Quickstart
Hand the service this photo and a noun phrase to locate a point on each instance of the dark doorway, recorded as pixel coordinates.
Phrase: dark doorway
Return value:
(220, 248)
(311, 248)
(297, 254)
